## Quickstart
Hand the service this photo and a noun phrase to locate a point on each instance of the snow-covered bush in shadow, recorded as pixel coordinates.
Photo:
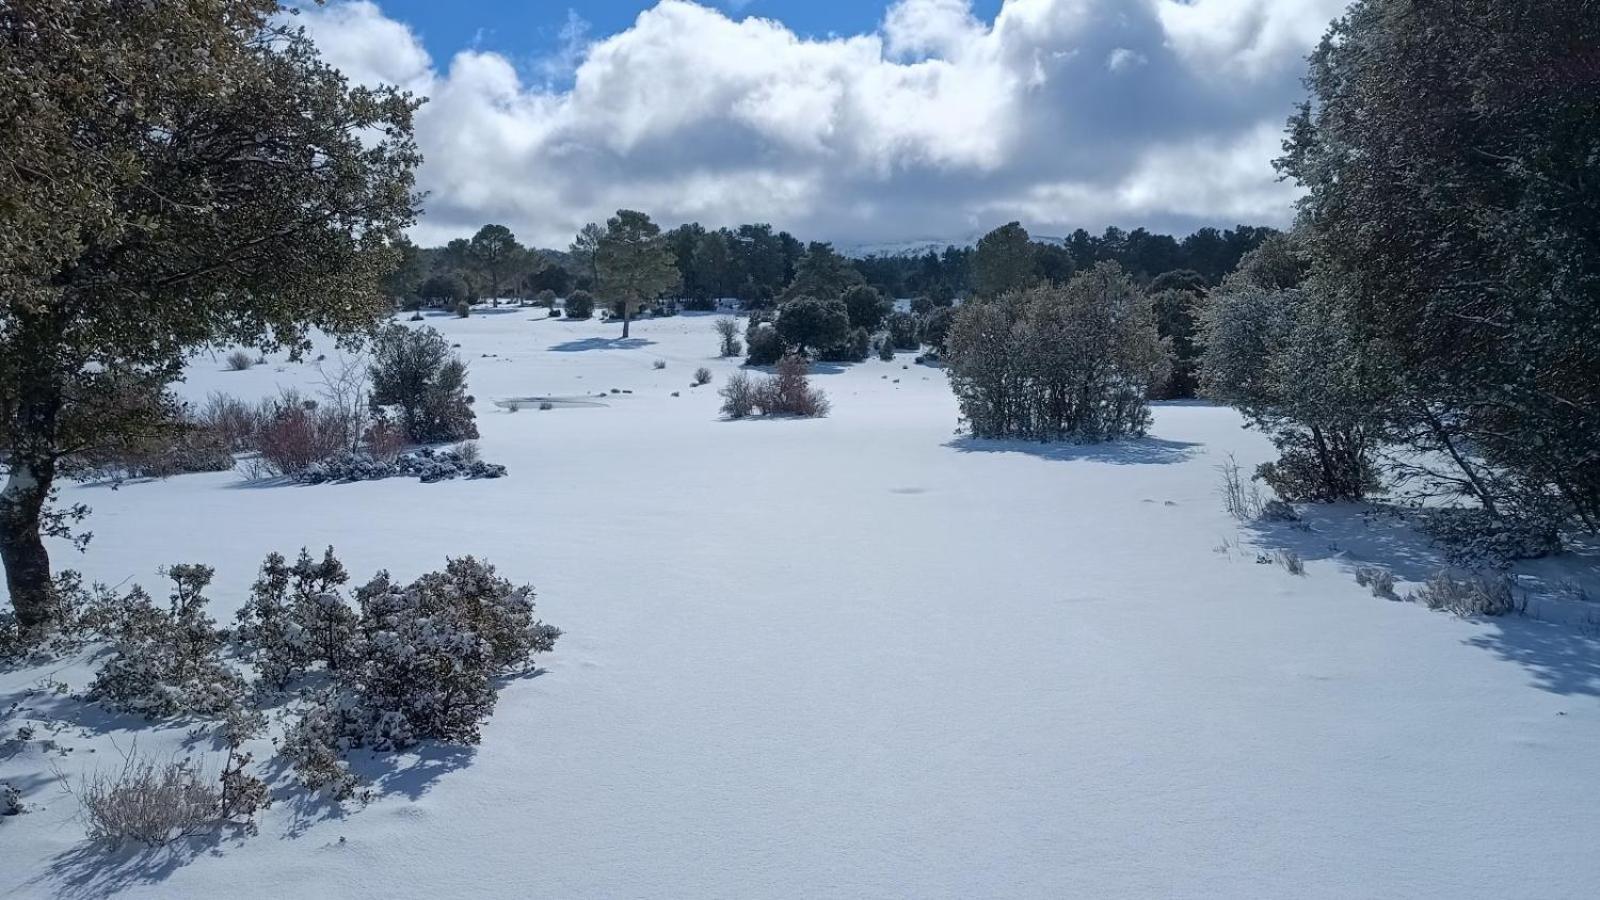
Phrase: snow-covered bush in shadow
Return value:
(1381, 581)
(425, 463)
(166, 663)
(1472, 537)
(1470, 596)
(415, 373)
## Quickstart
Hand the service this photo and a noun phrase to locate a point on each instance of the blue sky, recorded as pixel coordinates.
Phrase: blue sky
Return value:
(534, 28)
(862, 123)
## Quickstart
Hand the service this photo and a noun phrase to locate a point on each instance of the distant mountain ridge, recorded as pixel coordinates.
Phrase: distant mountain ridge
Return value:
(903, 249)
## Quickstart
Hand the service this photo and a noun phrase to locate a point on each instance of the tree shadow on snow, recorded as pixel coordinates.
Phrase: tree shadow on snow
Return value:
(1557, 642)
(1132, 452)
(96, 870)
(632, 343)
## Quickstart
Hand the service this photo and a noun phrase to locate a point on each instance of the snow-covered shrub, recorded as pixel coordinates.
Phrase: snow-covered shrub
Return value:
(167, 663)
(314, 746)
(1290, 561)
(702, 376)
(1380, 580)
(242, 795)
(148, 802)
(738, 396)
(425, 463)
(856, 347)
(239, 360)
(429, 657)
(415, 372)
(1470, 596)
(1472, 537)
(295, 618)
(11, 800)
(886, 350)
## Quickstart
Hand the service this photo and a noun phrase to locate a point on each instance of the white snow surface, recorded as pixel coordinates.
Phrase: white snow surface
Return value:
(863, 656)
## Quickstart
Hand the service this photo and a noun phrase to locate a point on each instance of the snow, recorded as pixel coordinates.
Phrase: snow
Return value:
(864, 656)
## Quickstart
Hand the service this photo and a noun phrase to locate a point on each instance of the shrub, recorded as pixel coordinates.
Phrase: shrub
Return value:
(765, 347)
(1470, 596)
(855, 348)
(1054, 363)
(580, 305)
(167, 663)
(659, 364)
(886, 350)
(789, 392)
(148, 802)
(295, 618)
(239, 360)
(806, 322)
(384, 440)
(463, 309)
(415, 372)
(1240, 498)
(728, 331)
(546, 298)
(1380, 580)
(1290, 560)
(702, 376)
(1472, 537)
(738, 396)
(935, 327)
(903, 331)
(298, 433)
(235, 424)
(866, 307)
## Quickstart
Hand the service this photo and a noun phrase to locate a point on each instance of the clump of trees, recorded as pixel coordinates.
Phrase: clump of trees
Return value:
(1057, 363)
(1432, 329)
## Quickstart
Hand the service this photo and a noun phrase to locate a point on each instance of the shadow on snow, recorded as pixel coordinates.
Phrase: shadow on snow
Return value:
(1131, 452)
(632, 343)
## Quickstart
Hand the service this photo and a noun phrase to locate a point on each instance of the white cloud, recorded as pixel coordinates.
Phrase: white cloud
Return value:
(1060, 112)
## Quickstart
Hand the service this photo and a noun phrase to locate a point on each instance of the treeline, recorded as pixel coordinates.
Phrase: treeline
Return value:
(760, 266)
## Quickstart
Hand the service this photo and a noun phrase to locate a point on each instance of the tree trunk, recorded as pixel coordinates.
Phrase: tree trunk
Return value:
(22, 550)
(626, 309)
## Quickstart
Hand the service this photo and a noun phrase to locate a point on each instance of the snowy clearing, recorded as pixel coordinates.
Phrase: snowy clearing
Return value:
(864, 656)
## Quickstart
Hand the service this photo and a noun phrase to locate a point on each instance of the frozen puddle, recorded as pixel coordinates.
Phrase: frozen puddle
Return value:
(516, 403)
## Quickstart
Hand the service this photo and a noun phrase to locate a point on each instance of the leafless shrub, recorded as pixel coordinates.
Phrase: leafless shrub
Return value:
(1240, 496)
(1379, 579)
(738, 396)
(385, 440)
(468, 451)
(1471, 596)
(728, 330)
(345, 394)
(238, 361)
(300, 432)
(659, 364)
(1290, 560)
(702, 376)
(150, 802)
(235, 423)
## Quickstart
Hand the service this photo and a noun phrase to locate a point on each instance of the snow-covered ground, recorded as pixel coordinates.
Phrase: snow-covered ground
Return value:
(863, 656)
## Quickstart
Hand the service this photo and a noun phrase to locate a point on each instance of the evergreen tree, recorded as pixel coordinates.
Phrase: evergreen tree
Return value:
(634, 263)
(1004, 261)
(179, 175)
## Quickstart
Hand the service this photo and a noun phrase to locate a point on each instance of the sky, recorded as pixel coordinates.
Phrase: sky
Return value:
(867, 124)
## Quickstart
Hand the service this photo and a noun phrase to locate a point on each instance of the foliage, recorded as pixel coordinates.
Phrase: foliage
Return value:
(580, 305)
(180, 175)
(728, 335)
(1004, 261)
(806, 322)
(415, 372)
(866, 307)
(633, 263)
(1054, 363)
(764, 345)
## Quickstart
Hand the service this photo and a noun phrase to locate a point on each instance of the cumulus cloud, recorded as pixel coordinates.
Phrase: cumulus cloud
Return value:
(1063, 113)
